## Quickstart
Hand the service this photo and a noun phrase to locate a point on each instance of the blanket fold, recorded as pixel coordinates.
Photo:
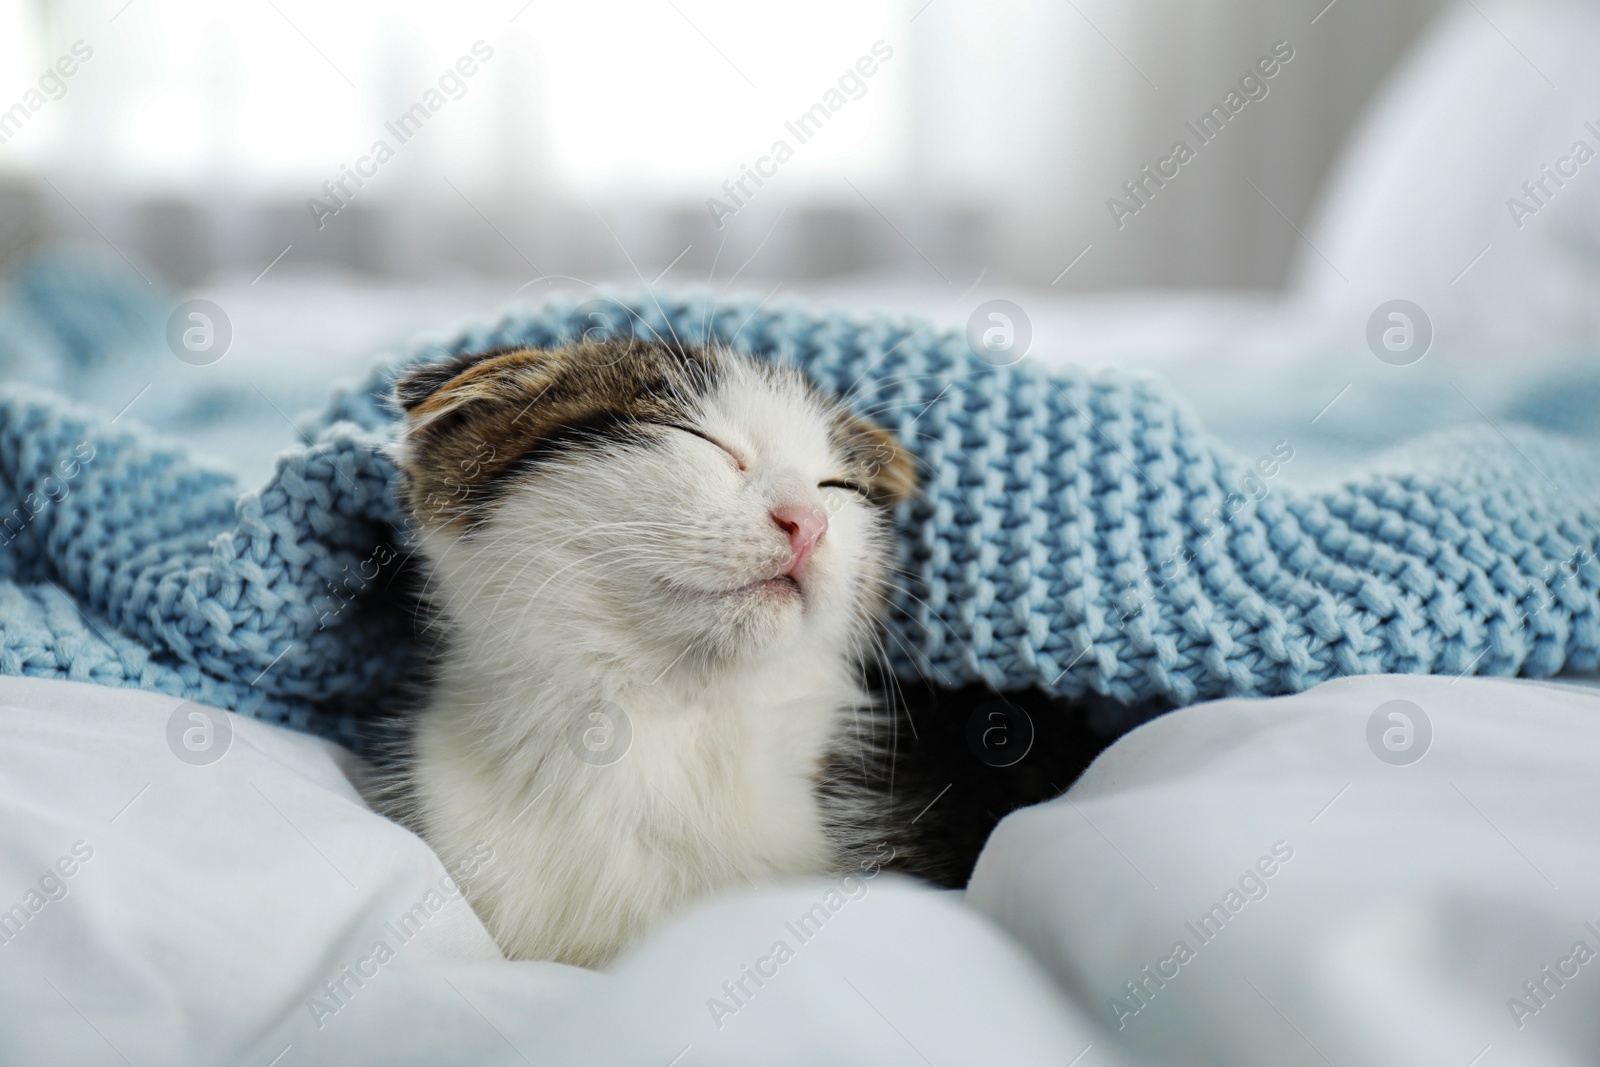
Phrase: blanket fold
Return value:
(1078, 533)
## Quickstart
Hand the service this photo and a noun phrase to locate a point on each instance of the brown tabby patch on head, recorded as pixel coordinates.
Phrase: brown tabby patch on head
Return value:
(473, 423)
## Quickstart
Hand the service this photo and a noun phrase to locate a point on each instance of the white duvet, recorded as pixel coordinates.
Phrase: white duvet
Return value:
(253, 910)
(1337, 904)
(1282, 882)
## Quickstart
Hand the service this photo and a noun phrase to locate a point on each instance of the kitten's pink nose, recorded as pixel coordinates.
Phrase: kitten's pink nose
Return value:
(805, 524)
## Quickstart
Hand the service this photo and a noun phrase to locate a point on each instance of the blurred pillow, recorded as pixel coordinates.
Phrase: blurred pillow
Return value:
(1473, 186)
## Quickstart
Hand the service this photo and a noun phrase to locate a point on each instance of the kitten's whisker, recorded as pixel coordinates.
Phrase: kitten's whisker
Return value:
(949, 630)
(519, 535)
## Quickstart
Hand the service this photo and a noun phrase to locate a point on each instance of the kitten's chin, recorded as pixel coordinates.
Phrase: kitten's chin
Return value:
(779, 595)
(757, 615)
(782, 589)
(726, 628)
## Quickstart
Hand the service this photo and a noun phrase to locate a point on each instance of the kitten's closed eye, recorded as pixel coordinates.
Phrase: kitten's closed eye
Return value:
(832, 483)
(731, 454)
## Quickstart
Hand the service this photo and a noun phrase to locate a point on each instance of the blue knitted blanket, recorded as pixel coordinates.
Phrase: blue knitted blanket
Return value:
(1078, 533)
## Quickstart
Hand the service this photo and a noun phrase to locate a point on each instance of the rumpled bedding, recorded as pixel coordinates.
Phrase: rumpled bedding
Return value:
(1256, 883)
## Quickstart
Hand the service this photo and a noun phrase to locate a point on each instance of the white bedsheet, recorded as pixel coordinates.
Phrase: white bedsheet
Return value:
(207, 906)
(1415, 903)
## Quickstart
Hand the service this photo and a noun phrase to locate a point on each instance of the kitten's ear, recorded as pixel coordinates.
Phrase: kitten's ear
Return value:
(419, 383)
(891, 470)
(435, 389)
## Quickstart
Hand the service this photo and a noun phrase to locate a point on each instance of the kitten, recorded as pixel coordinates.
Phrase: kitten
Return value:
(660, 569)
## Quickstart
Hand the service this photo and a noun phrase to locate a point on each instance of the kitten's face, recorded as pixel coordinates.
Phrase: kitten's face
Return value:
(649, 505)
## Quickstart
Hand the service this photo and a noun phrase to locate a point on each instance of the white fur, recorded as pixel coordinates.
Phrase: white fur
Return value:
(605, 576)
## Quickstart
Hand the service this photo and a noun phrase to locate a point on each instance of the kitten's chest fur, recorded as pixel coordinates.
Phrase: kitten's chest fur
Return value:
(606, 814)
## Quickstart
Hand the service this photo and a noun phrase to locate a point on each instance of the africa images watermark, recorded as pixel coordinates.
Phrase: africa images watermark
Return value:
(1252, 489)
(1399, 732)
(1252, 87)
(1151, 979)
(1537, 192)
(753, 977)
(1552, 576)
(55, 488)
(852, 85)
(1541, 989)
(351, 585)
(50, 887)
(402, 128)
(338, 991)
(52, 86)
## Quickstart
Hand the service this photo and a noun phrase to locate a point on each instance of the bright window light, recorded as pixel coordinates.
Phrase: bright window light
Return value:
(694, 89)
(668, 98)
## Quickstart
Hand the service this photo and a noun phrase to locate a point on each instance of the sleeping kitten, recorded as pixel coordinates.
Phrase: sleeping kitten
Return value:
(660, 570)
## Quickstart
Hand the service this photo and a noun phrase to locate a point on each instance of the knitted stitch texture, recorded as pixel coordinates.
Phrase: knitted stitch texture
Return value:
(1078, 533)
